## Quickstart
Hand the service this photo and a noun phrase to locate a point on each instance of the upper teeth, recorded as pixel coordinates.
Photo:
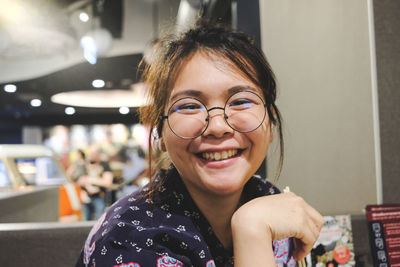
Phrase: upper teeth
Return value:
(219, 155)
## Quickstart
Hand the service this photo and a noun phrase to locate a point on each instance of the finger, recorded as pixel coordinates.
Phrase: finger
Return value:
(317, 218)
(313, 213)
(301, 250)
(306, 239)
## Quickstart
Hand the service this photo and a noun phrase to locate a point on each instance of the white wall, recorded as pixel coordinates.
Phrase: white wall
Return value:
(320, 52)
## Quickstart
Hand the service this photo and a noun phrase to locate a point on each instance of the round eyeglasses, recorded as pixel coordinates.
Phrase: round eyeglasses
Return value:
(188, 118)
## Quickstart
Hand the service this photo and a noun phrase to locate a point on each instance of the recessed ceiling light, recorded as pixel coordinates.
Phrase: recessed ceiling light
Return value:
(83, 16)
(10, 88)
(69, 110)
(104, 98)
(98, 83)
(124, 110)
(36, 102)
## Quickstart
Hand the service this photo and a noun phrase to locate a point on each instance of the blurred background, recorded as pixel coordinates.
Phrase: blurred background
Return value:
(70, 84)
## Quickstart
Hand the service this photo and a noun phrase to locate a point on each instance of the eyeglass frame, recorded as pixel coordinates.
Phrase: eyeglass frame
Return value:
(163, 117)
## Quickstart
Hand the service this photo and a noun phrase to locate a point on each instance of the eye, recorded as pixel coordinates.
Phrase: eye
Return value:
(241, 104)
(190, 106)
(186, 107)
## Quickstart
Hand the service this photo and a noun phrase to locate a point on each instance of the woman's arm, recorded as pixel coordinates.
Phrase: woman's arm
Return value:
(252, 247)
(260, 221)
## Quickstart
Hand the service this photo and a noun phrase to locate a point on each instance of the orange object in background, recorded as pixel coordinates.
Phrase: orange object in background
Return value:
(69, 203)
(33, 166)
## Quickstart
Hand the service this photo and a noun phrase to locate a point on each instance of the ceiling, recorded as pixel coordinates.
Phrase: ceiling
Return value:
(40, 52)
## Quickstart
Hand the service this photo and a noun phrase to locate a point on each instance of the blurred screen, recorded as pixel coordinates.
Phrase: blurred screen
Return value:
(40, 171)
(4, 179)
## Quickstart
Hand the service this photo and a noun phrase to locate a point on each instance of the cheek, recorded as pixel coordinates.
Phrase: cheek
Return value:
(261, 138)
(175, 146)
(264, 133)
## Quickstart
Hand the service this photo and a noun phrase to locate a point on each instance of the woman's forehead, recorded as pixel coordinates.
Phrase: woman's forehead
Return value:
(202, 63)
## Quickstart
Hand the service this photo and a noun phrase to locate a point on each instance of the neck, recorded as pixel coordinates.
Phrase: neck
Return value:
(218, 210)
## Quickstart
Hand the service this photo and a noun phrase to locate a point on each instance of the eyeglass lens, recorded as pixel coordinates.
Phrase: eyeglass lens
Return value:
(244, 112)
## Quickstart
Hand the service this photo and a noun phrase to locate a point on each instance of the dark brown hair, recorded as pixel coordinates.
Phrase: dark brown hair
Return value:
(172, 52)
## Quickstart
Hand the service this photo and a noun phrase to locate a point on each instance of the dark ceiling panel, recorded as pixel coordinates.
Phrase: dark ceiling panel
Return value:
(118, 73)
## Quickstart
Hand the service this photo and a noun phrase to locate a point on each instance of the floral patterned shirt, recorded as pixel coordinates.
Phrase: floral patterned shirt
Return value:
(167, 230)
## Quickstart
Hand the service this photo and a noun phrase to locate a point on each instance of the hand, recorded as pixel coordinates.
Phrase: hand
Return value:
(83, 180)
(276, 217)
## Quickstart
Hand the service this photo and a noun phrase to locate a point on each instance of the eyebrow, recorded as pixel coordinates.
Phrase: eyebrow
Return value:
(190, 92)
(241, 88)
(198, 93)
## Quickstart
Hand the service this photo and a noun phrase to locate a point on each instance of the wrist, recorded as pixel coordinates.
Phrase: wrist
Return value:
(246, 228)
(252, 243)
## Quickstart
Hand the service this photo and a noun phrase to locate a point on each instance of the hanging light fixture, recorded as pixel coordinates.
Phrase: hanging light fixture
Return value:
(98, 41)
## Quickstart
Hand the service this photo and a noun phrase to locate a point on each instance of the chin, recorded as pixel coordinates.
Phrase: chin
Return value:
(223, 186)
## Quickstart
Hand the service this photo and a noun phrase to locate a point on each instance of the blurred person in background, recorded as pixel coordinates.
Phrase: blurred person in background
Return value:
(78, 166)
(98, 180)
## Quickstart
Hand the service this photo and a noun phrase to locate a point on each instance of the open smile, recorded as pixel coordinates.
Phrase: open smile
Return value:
(219, 155)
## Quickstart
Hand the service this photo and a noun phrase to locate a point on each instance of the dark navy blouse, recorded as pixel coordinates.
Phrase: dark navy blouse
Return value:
(166, 231)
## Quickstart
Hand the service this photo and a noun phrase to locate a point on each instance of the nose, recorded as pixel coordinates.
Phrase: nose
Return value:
(217, 125)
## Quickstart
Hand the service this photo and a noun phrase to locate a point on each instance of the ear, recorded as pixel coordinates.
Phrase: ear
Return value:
(162, 145)
(271, 132)
(271, 125)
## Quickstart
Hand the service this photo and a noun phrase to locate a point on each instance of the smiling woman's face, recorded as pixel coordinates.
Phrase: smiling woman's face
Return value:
(240, 154)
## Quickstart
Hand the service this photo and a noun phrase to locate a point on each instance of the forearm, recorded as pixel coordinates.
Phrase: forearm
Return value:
(105, 181)
(251, 246)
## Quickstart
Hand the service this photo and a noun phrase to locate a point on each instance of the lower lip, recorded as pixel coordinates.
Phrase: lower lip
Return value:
(220, 163)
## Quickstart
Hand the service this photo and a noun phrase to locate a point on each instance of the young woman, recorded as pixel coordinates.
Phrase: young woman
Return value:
(213, 110)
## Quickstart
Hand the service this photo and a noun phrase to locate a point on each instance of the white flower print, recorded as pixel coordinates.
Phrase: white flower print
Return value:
(165, 207)
(118, 243)
(117, 216)
(179, 198)
(197, 238)
(117, 208)
(196, 215)
(104, 250)
(168, 215)
(202, 254)
(135, 222)
(139, 228)
(134, 208)
(149, 213)
(131, 199)
(121, 224)
(149, 242)
(162, 189)
(181, 228)
(119, 259)
(210, 230)
(183, 245)
(271, 190)
(104, 232)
